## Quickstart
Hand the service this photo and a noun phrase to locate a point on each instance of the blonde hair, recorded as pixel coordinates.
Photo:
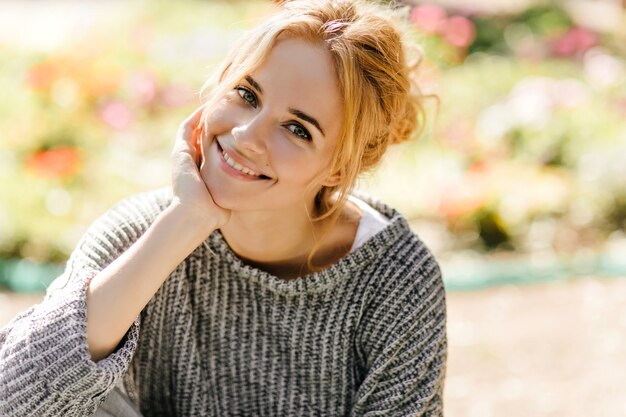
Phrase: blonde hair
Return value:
(375, 64)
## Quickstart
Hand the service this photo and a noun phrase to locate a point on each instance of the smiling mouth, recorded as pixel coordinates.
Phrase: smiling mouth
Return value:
(231, 162)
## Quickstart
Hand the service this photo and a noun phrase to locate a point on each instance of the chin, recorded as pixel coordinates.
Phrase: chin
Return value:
(227, 202)
(229, 196)
(221, 193)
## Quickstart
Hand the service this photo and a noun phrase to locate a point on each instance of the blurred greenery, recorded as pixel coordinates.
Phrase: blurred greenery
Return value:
(526, 153)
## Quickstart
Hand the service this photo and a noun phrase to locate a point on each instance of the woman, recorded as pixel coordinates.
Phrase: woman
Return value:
(257, 284)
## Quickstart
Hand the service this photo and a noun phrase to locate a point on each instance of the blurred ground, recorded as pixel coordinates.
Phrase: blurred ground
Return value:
(556, 349)
(546, 350)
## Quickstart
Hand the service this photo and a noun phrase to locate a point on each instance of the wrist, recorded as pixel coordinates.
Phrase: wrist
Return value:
(191, 224)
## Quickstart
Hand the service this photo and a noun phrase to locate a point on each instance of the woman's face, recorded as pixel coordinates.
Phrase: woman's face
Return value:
(274, 134)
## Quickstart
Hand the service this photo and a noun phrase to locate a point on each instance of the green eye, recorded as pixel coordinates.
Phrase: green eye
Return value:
(247, 95)
(299, 131)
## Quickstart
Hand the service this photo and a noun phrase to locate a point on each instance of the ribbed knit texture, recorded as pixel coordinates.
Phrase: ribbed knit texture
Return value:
(365, 337)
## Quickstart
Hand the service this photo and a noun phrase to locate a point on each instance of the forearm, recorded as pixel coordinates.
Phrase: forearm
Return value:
(118, 293)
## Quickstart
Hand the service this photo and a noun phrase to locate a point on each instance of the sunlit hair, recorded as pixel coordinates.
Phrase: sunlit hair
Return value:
(375, 65)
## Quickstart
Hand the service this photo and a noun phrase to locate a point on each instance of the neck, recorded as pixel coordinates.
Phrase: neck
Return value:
(270, 236)
(280, 242)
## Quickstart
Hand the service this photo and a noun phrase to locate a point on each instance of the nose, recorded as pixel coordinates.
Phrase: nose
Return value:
(250, 136)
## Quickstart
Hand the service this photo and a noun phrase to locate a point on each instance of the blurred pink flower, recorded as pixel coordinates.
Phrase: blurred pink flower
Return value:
(116, 114)
(177, 95)
(459, 31)
(143, 86)
(429, 18)
(574, 42)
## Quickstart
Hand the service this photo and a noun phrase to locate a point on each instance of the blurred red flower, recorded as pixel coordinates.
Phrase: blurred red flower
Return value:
(41, 76)
(55, 163)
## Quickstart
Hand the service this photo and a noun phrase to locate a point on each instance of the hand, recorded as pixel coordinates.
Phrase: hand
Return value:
(190, 191)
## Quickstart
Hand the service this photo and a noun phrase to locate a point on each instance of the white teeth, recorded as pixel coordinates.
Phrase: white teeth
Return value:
(237, 166)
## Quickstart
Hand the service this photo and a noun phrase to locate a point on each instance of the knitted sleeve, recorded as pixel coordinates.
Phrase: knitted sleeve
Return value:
(403, 343)
(45, 366)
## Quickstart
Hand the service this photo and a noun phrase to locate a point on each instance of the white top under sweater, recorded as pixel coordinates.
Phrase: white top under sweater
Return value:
(371, 223)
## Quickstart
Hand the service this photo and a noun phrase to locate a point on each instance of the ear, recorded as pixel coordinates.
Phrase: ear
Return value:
(332, 180)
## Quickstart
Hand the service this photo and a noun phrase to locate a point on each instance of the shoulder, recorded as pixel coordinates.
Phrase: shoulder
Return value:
(409, 266)
(405, 296)
(402, 269)
(398, 251)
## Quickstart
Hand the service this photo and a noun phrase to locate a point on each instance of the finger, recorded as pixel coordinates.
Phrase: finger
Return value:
(191, 122)
(188, 133)
(196, 114)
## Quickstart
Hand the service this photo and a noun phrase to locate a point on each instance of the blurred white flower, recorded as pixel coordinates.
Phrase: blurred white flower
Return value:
(530, 102)
(602, 69)
(604, 16)
(569, 92)
(603, 167)
(492, 123)
(8, 163)
(58, 201)
(541, 234)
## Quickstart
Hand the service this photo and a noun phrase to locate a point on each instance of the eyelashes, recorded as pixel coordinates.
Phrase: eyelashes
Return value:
(247, 96)
(250, 98)
(299, 131)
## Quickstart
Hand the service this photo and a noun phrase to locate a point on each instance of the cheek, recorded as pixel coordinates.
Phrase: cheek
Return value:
(302, 165)
(300, 171)
(220, 118)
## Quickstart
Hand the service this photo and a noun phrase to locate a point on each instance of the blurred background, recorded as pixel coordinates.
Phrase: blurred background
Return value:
(518, 184)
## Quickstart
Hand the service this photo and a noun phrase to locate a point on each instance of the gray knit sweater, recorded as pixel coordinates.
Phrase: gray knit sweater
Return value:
(365, 337)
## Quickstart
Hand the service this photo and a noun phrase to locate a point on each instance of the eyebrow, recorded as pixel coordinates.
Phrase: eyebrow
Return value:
(254, 83)
(298, 113)
(308, 118)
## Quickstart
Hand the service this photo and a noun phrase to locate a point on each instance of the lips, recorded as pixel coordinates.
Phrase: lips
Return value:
(236, 165)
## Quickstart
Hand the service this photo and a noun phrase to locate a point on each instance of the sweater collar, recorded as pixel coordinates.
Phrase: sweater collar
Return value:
(319, 281)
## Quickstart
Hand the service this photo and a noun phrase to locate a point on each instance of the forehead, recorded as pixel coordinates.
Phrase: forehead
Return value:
(301, 75)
